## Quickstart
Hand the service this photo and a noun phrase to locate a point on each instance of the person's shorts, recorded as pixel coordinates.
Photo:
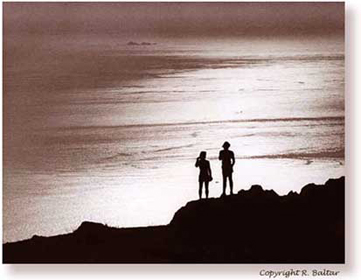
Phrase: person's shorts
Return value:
(204, 178)
(227, 171)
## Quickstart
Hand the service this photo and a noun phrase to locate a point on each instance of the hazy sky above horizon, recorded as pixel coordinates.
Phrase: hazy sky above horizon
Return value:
(176, 19)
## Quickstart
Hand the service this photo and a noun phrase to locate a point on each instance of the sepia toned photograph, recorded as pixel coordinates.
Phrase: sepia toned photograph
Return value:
(174, 132)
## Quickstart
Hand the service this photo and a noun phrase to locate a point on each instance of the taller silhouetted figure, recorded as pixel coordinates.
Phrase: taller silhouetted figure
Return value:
(228, 160)
(205, 173)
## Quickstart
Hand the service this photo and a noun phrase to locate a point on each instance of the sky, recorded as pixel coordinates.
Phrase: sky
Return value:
(176, 19)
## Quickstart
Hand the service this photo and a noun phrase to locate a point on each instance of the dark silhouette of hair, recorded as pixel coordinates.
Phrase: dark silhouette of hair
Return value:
(226, 145)
(205, 173)
(228, 160)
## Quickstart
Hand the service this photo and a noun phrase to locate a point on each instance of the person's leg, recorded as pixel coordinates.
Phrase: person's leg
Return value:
(206, 186)
(200, 189)
(231, 183)
(224, 184)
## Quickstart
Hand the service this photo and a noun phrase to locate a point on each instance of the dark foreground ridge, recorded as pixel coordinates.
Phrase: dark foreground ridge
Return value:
(254, 226)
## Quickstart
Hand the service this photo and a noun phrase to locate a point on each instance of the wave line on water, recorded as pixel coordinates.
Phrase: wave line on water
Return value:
(296, 119)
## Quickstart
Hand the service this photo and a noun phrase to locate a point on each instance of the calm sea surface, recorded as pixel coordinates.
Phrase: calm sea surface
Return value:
(98, 130)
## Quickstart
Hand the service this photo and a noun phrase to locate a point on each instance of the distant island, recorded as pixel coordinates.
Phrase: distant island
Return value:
(131, 43)
(253, 226)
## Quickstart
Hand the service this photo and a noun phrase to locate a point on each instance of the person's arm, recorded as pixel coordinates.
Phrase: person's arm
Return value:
(197, 162)
(233, 159)
(220, 155)
(209, 170)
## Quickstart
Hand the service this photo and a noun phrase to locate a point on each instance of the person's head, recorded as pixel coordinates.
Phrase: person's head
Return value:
(203, 155)
(226, 145)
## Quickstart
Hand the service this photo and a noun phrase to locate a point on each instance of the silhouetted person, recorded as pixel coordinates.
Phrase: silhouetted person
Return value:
(205, 173)
(228, 160)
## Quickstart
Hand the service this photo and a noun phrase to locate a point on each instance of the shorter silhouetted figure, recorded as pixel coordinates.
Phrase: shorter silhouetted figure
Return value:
(205, 174)
(228, 160)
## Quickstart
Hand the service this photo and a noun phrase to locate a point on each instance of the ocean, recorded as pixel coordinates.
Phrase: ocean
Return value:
(99, 130)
